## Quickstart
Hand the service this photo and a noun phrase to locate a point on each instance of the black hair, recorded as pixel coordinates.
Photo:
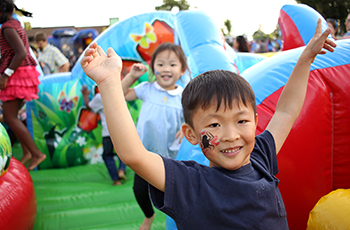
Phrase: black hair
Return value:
(243, 45)
(7, 6)
(216, 87)
(171, 47)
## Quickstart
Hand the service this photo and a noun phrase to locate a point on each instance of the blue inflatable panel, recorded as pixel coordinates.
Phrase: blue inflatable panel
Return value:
(269, 75)
(203, 47)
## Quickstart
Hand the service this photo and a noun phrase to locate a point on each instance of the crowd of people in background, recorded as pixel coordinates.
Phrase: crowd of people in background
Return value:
(335, 28)
(241, 44)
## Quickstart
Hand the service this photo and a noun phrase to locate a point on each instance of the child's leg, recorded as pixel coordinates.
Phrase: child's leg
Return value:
(121, 170)
(122, 166)
(141, 193)
(10, 111)
(27, 156)
(108, 158)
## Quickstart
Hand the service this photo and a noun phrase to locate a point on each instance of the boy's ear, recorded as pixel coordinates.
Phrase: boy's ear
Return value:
(256, 120)
(189, 133)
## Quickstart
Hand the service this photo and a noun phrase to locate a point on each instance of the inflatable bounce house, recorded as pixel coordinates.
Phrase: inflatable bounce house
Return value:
(314, 160)
(61, 125)
(18, 201)
(71, 42)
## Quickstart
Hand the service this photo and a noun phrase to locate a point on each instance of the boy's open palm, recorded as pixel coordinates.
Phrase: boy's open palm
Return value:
(293, 95)
(100, 66)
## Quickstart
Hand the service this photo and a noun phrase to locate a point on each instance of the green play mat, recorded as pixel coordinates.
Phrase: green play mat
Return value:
(82, 197)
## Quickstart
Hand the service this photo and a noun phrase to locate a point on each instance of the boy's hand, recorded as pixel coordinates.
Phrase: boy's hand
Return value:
(319, 43)
(99, 66)
(137, 70)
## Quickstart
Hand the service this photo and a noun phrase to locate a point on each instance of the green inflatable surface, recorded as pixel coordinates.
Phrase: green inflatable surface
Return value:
(83, 197)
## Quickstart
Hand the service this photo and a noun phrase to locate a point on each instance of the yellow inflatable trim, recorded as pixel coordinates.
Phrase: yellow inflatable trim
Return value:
(332, 211)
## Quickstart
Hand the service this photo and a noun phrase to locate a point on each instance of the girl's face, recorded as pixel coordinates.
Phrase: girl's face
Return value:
(168, 69)
(235, 44)
(332, 29)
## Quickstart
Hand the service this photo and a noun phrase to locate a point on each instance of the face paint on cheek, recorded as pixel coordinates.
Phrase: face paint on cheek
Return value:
(208, 141)
(156, 72)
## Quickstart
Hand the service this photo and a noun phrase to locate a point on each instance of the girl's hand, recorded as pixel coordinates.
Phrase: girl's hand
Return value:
(85, 90)
(137, 70)
(319, 43)
(179, 135)
(3, 81)
(99, 66)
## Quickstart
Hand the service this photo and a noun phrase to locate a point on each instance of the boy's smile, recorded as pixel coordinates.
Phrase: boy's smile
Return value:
(226, 136)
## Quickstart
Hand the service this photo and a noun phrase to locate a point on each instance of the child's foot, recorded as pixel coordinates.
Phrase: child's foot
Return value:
(147, 223)
(36, 160)
(117, 182)
(26, 158)
(121, 175)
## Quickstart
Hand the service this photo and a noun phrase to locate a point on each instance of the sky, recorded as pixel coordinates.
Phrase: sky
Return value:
(246, 15)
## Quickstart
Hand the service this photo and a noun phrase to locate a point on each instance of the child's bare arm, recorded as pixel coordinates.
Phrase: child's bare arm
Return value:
(137, 70)
(105, 71)
(293, 95)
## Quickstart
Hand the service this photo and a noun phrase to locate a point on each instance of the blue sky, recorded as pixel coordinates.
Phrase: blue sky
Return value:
(245, 15)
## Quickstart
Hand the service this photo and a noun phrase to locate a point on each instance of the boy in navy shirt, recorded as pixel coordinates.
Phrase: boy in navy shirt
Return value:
(239, 188)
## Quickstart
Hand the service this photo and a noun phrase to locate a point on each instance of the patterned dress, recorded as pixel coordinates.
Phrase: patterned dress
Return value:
(23, 83)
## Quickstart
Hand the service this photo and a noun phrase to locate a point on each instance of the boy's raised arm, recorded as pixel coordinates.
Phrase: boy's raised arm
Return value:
(105, 71)
(293, 95)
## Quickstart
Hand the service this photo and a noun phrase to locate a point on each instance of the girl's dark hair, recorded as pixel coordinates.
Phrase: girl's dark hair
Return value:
(216, 87)
(7, 6)
(242, 44)
(171, 47)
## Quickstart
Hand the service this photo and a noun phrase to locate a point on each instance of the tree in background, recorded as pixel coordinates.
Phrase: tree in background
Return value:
(228, 27)
(337, 9)
(168, 5)
(227, 31)
(260, 35)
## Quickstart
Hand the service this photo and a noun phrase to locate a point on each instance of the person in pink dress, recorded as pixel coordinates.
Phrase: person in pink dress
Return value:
(18, 80)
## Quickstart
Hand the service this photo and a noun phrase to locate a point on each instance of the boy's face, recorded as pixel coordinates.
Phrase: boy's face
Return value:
(226, 137)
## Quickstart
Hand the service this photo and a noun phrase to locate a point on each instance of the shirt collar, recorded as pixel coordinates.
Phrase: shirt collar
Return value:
(173, 92)
(46, 47)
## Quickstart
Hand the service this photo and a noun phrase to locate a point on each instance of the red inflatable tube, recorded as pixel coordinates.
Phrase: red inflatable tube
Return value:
(18, 200)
